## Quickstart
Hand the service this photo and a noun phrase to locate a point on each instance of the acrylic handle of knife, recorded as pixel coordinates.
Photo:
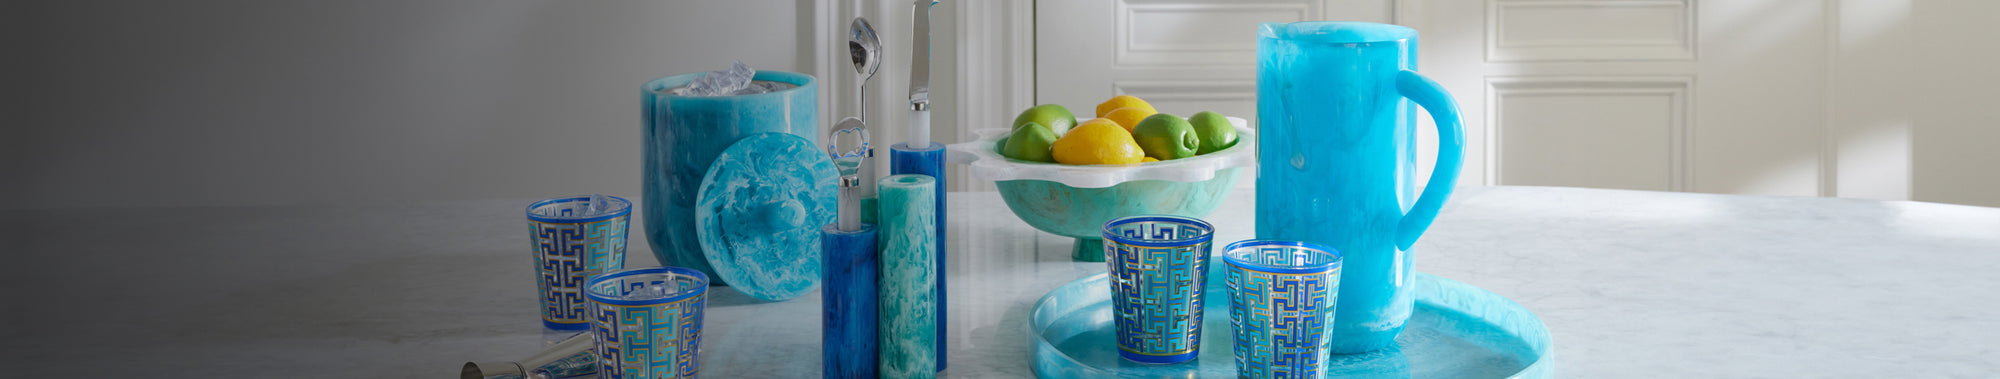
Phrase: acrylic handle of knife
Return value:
(920, 129)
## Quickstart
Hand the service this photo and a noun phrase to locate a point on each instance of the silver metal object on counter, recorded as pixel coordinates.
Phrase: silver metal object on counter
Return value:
(571, 357)
(866, 51)
(848, 146)
(920, 76)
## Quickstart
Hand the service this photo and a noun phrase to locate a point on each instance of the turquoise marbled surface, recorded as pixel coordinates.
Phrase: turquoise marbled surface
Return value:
(1081, 212)
(930, 161)
(848, 335)
(1456, 331)
(759, 214)
(908, 327)
(1336, 161)
(682, 135)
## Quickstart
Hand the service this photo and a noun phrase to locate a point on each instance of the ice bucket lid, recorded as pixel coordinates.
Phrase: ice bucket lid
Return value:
(759, 211)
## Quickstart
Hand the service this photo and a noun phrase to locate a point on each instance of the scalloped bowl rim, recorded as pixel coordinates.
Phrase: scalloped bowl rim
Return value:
(983, 158)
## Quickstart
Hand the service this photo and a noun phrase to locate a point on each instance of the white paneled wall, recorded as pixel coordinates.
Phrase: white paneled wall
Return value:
(1618, 132)
(1954, 99)
(1885, 99)
(1183, 56)
(1880, 99)
(230, 104)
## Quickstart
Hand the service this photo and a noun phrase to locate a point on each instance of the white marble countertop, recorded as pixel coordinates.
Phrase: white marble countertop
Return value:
(1630, 284)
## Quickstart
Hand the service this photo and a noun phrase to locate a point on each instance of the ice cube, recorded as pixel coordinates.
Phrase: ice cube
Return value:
(588, 206)
(770, 86)
(551, 210)
(598, 205)
(646, 291)
(723, 82)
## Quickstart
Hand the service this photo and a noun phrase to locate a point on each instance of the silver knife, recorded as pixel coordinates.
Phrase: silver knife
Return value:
(920, 76)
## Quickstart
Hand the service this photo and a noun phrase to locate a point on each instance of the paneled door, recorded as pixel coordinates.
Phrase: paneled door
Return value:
(1674, 95)
(1184, 56)
(1671, 95)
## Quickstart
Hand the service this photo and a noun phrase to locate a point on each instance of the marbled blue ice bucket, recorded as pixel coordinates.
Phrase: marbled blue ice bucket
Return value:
(684, 134)
(1158, 267)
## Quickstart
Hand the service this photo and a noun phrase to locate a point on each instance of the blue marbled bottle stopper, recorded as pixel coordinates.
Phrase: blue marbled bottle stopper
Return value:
(909, 323)
(929, 161)
(848, 290)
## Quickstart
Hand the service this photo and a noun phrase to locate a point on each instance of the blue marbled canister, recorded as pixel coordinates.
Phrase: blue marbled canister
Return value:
(908, 319)
(929, 161)
(847, 294)
(683, 135)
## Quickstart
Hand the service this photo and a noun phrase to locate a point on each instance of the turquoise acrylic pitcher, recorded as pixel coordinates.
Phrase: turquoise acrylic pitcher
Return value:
(1335, 161)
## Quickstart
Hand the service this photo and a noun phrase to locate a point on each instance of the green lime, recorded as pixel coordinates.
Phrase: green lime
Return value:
(1215, 131)
(1054, 117)
(1030, 142)
(1166, 137)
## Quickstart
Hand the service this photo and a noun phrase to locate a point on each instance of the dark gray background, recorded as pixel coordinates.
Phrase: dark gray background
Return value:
(210, 102)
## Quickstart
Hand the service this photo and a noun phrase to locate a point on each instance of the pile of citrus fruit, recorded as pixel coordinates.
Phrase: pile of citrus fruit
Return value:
(1127, 130)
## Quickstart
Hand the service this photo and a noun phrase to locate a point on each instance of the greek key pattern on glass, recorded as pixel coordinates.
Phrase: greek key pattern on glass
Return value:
(567, 254)
(1280, 321)
(648, 342)
(1157, 311)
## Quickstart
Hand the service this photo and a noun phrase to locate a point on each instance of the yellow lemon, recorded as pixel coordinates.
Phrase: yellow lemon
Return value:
(1129, 117)
(1148, 159)
(1124, 101)
(1099, 120)
(1098, 141)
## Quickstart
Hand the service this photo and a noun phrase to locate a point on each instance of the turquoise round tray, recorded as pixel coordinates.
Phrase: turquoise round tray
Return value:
(1457, 331)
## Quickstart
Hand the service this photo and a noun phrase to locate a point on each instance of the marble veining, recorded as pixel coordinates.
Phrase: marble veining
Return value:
(759, 212)
(908, 288)
(848, 290)
(1632, 284)
(930, 161)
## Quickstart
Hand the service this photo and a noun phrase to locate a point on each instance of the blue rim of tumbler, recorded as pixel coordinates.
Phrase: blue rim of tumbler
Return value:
(698, 289)
(624, 208)
(1232, 252)
(1207, 231)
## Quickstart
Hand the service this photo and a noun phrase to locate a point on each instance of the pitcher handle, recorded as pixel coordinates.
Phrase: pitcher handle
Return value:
(1451, 153)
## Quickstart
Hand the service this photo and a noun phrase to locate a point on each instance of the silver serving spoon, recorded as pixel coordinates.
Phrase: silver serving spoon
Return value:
(866, 51)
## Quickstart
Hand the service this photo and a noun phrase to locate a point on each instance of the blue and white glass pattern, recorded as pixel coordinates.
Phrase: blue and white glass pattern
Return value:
(573, 238)
(647, 322)
(1158, 267)
(1281, 298)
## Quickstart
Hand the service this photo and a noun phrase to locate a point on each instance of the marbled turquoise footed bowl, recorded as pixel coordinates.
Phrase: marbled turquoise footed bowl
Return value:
(1076, 201)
